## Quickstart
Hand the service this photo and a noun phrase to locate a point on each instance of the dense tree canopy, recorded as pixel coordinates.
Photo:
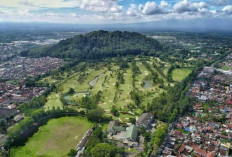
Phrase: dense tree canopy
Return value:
(103, 149)
(99, 44)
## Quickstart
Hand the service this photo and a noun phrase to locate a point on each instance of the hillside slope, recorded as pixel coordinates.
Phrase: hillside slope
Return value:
(98, 44)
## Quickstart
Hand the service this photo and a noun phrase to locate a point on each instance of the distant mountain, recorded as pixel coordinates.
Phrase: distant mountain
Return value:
(181, 25)
(99, 44)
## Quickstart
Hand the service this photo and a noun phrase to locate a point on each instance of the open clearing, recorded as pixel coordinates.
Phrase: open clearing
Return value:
(55, 139)
(225, 68)
(180, 73)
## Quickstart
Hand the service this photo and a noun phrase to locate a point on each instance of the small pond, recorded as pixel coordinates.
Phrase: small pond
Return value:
(93, 82)
(67, 97)
(147, 84)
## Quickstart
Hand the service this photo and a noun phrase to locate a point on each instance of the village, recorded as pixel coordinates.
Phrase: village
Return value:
(207, 130)
(21, 67)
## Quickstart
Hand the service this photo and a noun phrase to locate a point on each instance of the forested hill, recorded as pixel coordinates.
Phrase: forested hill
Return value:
(99, 44)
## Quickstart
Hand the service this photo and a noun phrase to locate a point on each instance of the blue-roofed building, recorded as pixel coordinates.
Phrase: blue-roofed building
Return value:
(187, 129)
(226, 109)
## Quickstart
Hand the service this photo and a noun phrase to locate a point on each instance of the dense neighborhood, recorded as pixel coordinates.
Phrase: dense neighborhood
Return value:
(207, 130)
(21, 67)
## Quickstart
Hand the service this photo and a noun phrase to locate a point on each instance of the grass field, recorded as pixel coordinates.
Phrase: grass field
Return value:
(125, 117)
(180, 73)
(225, 67)
(55, 139)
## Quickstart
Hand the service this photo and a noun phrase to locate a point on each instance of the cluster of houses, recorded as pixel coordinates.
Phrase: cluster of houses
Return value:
(212, 85)
(8, 50)
(19, 67)
(12, 96)
(189, 136)
(129, 135)
(207, 131)
(227, 62)
(226, 65)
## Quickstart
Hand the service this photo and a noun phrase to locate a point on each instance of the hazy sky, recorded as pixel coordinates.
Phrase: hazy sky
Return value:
(112, 11)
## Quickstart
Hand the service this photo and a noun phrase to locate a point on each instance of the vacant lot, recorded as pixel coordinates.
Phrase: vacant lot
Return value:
(180, 73)
(55, 139)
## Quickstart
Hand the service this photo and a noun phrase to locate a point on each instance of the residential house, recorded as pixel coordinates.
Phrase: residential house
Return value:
(132, 133)
(145, 120)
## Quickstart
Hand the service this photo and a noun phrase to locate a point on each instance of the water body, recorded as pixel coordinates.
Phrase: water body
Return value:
(147, 84)
(67, 97)
(93, 82)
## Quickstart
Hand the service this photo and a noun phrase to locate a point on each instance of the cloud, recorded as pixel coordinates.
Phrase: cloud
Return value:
(164, 4)
(38, 4)
(151, 8)
(26, 15)
(109, 6)
(186, 6)
(134, 11)
(227, 9)
(220, 2)
(101, 6)
(111, 11)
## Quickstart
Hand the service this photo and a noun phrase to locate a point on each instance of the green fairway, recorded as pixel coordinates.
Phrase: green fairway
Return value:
(125, 117)
(180, 73)
(53, 101)
(123, 97)
(107, 85)
(55, 139)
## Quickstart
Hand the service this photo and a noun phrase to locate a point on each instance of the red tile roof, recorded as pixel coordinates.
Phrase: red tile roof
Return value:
(210, 154)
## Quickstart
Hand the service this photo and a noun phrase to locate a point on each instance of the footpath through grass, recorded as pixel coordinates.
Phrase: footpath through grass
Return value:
(55, 139)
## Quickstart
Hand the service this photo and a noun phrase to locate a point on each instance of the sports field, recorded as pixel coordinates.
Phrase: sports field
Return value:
(55, 139)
